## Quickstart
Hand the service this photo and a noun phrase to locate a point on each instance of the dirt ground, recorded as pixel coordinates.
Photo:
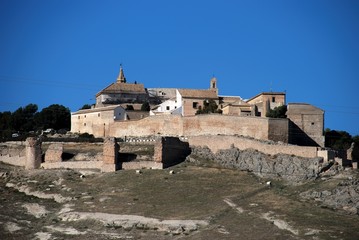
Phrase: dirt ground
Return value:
(192, 203)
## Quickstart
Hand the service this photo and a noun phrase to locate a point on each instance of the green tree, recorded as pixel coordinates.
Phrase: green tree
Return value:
(24, 118)
(55, 116)
(86, 106)
(209, 106)
(129, 107)
(145, 107)
(277, 112)
(338, 140)
(6, 127)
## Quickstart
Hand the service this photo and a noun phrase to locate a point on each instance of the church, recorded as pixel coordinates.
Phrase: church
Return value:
(123, 101)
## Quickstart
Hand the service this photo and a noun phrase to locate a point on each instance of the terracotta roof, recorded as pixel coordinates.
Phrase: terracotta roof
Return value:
(120, 87)
(303, 108)
(266, 93)
(197, 93)
(100, 109)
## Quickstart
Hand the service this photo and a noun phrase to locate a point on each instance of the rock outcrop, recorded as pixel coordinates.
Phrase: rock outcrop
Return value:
(344, 196)
(288, 167)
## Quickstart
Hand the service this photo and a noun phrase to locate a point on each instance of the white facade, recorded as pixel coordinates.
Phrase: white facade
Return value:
(171, 106)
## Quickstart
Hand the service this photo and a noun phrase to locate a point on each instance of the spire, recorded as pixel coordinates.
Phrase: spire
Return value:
(121, 75)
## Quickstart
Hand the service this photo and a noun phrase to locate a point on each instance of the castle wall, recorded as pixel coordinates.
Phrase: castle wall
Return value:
(278, 129)
(216, 143)
(206, 124)
(169, 125)
(213, 124)
(306, 124)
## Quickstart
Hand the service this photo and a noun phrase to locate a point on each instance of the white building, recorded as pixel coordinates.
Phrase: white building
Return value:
(170, 106)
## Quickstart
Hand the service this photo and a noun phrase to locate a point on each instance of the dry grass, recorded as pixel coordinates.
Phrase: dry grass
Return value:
(193, 192)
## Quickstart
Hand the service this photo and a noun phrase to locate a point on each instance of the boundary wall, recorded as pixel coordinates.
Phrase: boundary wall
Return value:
(13, 153)
(206, 124)
(215, 143)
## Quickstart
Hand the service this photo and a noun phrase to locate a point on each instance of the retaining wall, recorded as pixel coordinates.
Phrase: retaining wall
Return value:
(219, 142)
(73, 165)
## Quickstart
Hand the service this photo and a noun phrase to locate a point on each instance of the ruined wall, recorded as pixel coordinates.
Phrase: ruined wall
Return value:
(13, 153)
(170, 151)
(33, 153)
(141, 165)
(215, 143)
(54, 152)
(73, 165)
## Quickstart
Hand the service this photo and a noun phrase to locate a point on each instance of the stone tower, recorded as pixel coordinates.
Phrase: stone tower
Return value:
(121, 76)
(213, 84)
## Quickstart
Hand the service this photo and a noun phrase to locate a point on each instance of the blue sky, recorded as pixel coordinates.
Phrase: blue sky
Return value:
(64, 52)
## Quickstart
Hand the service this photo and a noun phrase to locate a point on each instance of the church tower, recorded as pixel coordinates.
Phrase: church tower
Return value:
(213, 84)
(121, 76)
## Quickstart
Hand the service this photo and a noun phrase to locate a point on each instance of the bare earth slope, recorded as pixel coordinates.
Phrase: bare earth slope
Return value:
(193, 203)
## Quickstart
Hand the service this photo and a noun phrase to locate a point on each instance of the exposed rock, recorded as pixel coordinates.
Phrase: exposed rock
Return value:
(35, 209)
(128, 222)
(345, 196)
(284, 166)
(25, 189)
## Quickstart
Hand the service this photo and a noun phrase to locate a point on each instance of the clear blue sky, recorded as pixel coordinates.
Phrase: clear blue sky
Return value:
(65, 51)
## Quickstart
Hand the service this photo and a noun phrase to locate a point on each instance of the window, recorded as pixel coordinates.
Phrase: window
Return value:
(78, 117)
(312, 123)
(85, 116)
(195, 104)
(84, 124)
(167, 108)
(273, 99)
(99, 115)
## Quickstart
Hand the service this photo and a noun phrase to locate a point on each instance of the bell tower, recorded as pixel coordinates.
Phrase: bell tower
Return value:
(213, 84)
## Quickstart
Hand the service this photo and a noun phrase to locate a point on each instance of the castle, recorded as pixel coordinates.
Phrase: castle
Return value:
(119, 112)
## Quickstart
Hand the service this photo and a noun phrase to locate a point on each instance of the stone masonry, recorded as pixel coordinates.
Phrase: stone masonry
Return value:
(33, 153)
(110, 155)
(170, 151)
(353, 153)
(54, 153)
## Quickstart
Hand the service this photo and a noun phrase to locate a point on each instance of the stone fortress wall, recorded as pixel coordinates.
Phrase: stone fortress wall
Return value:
(206, 124)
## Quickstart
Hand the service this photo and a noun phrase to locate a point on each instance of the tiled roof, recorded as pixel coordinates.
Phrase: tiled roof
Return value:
(197, 93)
(303, 108)
(266, 93)
(100, 109)
(120, 87)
